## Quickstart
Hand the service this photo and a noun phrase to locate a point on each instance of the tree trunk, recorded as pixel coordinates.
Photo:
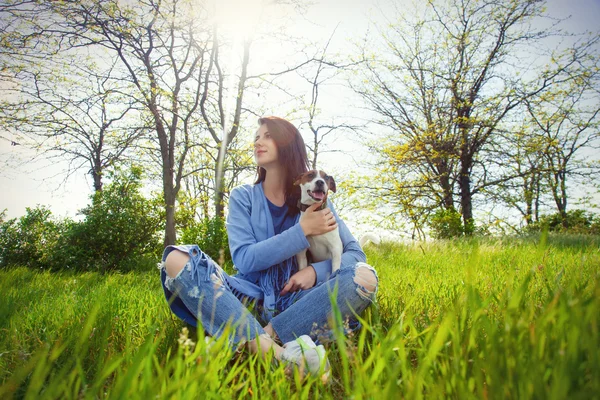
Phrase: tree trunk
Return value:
(169, 192)
(528, 184)
(170, 233)
(219, 207)
(220, 179)
(170, 188)
(97, 175)
(466, 199)
(563, 198)
(558, 186)
(219, 192)
(537, 198)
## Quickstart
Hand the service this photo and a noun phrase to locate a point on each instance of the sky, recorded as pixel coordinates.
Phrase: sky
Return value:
(25, 183)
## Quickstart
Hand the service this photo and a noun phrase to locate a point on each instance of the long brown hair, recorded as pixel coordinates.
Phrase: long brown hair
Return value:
(292, 155)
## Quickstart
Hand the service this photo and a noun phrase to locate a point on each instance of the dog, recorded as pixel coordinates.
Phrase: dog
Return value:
(314, 186)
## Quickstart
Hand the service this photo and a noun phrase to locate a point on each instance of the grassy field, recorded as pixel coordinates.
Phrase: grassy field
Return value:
(484, 319)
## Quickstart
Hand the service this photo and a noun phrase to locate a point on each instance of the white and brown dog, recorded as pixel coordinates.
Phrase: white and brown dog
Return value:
(314, 186)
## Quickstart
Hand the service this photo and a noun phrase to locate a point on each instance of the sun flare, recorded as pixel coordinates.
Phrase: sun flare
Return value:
(238, 18)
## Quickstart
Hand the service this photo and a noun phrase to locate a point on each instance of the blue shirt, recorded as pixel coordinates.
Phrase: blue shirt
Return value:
(281, 220)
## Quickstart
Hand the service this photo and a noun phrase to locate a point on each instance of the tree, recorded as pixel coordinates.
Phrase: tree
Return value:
(449, 81)
(197, 200)
(160, 48)
(566, 121)
(523, 158)
(321, 69)
(217, 116)
(168, 51)
(81, 115)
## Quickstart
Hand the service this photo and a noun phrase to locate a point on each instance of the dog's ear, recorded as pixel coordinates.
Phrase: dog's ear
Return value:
(297, 180)
(331, 183)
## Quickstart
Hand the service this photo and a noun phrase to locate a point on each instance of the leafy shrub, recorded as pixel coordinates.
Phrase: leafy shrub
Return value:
(30, 240)
(211, 236)
(446, 224)
(576, 222)
(120, 226)
(120, 231)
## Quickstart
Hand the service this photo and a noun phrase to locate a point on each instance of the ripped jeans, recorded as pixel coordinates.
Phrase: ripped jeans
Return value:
(202, 287)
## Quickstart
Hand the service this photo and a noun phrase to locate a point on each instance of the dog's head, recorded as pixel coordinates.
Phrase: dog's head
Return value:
(314, 186)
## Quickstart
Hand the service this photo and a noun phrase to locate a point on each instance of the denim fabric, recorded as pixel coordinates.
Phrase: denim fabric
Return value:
(310, 310)
(202, 287)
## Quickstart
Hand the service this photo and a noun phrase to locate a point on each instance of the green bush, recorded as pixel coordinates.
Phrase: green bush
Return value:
(121, 230)
(120, 227)
(30, 240)
(211, 236)
(446, 224)
(576, 222)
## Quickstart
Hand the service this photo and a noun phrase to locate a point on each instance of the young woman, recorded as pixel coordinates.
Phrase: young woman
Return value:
(265, 232)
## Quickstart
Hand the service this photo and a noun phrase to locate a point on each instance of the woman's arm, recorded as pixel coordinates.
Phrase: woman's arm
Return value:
(249, 254)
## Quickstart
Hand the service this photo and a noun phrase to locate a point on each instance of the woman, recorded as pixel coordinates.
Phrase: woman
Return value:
(265, 232)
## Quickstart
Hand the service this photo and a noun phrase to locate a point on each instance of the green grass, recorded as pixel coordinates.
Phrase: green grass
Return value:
(511, 318)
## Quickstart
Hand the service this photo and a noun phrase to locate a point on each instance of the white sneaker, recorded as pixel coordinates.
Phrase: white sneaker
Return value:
(309, 357)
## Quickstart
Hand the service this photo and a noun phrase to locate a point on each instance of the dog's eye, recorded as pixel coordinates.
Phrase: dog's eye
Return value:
(311, 175)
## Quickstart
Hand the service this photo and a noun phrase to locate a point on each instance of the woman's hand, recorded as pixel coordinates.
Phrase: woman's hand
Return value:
(317, 222)
(303, 279)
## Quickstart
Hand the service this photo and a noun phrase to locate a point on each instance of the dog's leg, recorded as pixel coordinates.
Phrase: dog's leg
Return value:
(336, 261)
(302, 261)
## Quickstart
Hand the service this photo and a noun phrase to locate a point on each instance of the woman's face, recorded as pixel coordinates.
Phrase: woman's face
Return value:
(265, 150)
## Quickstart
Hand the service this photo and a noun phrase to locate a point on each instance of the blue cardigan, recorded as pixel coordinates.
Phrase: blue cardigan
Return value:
(264, 260)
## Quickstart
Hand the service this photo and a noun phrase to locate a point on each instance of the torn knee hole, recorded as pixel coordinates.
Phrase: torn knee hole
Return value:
(366, 278)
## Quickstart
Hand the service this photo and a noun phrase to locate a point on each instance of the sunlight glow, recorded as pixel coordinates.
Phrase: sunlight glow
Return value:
(238, 18)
